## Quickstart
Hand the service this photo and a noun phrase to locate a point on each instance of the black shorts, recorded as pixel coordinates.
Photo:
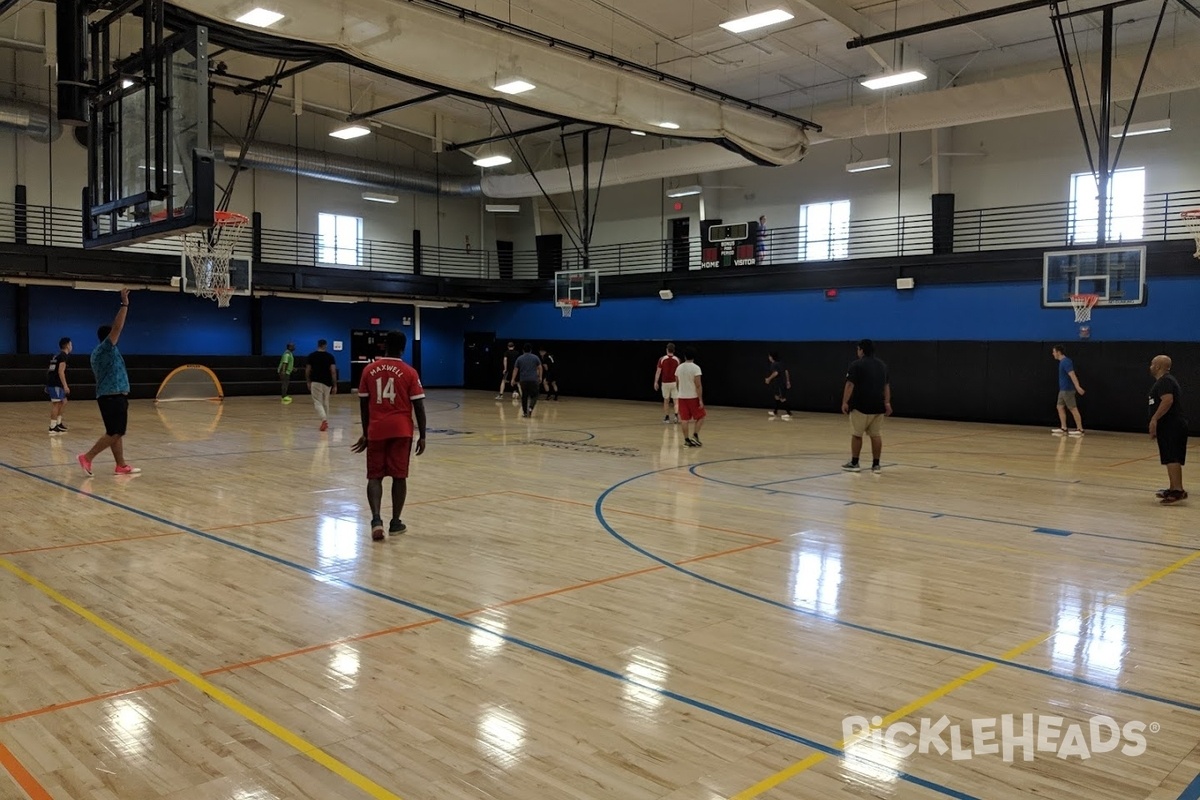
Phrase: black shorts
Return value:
(114, 410)
(1172, 442)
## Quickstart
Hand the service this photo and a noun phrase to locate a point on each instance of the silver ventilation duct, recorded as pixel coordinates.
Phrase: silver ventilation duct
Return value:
(344, 169)
(33, 121)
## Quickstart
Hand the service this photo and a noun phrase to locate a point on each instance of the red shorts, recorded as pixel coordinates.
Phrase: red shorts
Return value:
(690, 408)
(388, 458)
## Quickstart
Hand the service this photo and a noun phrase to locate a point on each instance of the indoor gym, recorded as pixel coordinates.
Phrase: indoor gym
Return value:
(583, 607)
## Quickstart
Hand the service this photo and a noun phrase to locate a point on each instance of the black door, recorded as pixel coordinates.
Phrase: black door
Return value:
(504, 259)
(482, 363)
(680, 246)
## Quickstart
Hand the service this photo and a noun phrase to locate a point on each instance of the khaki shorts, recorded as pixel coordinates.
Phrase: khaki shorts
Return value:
(866, 424)
(1067, 399)
(670, 391)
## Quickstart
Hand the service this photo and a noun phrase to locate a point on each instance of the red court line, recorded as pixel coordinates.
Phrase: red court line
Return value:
(654, 517)
(1131, 461)
(383, 632)
(89, 544)
(22, 776)
(261, 522)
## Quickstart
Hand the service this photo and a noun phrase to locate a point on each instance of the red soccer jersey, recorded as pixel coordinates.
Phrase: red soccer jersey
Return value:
(390, 387)
(668, 364)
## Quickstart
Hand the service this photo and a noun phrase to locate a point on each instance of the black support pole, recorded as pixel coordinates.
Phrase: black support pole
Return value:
(21, 318)
(71, 35)
(1103, 162)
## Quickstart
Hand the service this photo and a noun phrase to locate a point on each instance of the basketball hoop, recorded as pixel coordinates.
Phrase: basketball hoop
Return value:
(567, 306)
(1083, 305)
(1191, 218)
(207, 254)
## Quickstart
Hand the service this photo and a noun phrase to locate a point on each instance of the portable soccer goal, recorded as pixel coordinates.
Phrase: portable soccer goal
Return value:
(190, 382)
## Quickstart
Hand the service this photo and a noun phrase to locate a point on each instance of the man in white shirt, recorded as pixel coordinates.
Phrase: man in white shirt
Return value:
(691, 398)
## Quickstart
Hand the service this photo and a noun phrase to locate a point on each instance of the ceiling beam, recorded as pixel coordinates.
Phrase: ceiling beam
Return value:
(425, 98)
(854, 22)
(953, 22)
(277, 77)
(500, 137)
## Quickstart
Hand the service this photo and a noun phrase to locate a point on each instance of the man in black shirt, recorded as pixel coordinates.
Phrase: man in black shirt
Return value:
(549, 378)
(56, 385)
(1169, 427)
(508, 359)
(867, 398)
(320, 371)
(780, 380)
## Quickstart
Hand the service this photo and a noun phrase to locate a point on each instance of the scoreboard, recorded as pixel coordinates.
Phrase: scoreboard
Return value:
(729, 245)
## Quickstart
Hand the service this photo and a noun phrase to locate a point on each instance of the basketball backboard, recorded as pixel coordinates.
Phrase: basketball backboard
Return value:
(1117, 275)
(150, 171)
(582, 285)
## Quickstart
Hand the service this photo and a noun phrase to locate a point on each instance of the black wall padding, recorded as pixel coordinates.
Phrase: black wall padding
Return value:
(1002, 382)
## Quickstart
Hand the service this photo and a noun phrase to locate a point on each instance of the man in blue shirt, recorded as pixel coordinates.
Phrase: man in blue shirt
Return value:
(1068, 388)
(112, 393)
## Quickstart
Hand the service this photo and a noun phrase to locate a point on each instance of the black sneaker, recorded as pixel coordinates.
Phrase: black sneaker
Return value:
(60, 428)
(689, 443)
(377, 530)
(851, 466)
(1173, 496)
(876, 469)
(396, 526)
(696, 439)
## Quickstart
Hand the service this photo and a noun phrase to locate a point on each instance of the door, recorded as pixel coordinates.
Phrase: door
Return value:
(504, 259)
(680, 244)
(481, 365)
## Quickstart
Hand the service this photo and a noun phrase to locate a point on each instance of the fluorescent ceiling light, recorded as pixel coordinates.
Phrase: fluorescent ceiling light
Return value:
(755, 21)
(260, 18)
(684, 191)
(338, 298)
(350, 132)
(514, 86)
(126, 83)
(93, 286)
(638, 133)
(671, 126)
(891, 79)
(380, 197)
(492, 161)
(1142, 128)
(867, 166)
(503, 208)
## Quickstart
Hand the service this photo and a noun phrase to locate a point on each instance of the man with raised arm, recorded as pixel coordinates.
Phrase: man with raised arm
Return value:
(112, 393)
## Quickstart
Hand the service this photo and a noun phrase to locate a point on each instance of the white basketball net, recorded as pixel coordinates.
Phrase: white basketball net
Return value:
(1083, 303)
(208, 253)
(1192, 220)
(567, 306)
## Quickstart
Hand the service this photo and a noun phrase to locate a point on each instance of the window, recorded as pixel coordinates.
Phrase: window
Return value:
(825, 231)
(1126, 194)
(338, 238)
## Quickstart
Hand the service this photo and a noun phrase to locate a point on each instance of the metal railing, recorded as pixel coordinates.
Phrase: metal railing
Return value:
(1047, 225)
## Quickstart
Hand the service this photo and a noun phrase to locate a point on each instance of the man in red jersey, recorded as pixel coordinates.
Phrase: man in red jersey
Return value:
(664, 374)
(389, 394)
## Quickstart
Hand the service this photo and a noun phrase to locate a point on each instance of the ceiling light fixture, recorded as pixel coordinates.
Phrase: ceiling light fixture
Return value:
(492, 161)
(350, 132)
(671, 126)
(638, 133)
(502, 208)
(756, 21)
(684, 191)
(260, 18)
(1142, 128)
(380, 197)
(890, 79)
(513, 86)
(867, 166)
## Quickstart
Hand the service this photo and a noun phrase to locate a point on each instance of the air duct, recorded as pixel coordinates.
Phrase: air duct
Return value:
(324, 166)
(33, 121)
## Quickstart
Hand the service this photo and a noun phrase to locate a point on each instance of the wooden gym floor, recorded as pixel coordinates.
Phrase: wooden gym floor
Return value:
(582, 608)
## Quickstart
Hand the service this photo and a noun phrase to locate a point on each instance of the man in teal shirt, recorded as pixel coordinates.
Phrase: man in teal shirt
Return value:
(287, 363)
(112, 393)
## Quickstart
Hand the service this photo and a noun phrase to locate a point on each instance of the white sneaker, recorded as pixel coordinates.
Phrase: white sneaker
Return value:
(1058, 431)
(1075, 433)
(786, 418)
(516, 395)
(770, 415)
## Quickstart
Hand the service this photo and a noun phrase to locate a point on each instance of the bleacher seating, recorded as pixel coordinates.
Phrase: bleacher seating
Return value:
(22, 376)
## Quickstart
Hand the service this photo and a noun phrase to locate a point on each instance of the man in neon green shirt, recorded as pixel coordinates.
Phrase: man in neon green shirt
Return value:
(287, 363)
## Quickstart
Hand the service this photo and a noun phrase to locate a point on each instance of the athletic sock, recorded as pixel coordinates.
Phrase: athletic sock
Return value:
(875, 462)
(854, 461)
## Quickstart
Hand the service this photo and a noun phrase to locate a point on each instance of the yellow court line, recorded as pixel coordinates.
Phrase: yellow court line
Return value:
(232, 703)
(816, 758)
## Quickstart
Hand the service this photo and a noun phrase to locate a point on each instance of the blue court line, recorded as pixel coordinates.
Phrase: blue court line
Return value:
(1192, 790)
(328, 578)
(599, 510)
(1024, 525)
(1053, 531)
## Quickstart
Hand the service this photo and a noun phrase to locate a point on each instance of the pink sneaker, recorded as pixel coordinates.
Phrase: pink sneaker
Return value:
(324, 424)
(126, 470)
(83, 462)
